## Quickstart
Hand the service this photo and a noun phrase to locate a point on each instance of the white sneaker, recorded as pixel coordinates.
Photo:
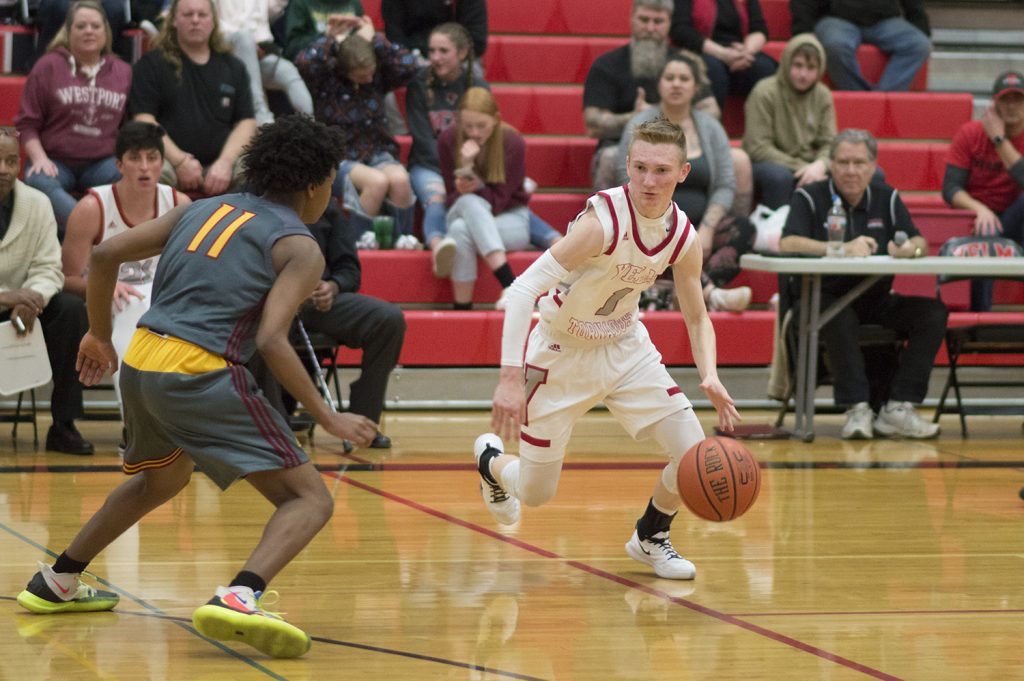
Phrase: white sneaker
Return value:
(659, 554)
(858, 422)
(443, 258)
(900, 419)
(730, 299)
(503, 507)
(502, 300)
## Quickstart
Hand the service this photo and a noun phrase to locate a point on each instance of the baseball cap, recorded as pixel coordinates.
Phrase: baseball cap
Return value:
(1010, 81)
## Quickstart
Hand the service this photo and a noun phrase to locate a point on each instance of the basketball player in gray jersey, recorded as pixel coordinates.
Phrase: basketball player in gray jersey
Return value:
(233, 271)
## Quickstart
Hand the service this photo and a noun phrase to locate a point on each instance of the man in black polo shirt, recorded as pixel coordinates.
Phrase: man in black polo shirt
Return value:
(192, 85)
(874, 215)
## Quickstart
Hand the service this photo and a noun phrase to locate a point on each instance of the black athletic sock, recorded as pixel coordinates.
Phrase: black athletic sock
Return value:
(249, 579)
(484, 466)
(462, 306)
(504, 275)
(653, 522)
(67, 564)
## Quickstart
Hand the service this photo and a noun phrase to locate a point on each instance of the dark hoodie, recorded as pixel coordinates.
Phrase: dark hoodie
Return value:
(787, 127)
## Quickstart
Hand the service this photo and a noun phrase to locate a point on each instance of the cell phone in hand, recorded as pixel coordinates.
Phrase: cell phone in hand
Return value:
(464, 173)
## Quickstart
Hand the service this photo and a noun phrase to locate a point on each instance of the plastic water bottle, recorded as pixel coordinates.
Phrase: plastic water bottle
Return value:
(836, 229)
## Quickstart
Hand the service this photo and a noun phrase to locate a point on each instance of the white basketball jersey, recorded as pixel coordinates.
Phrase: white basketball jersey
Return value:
(114, 222)
(599, 301)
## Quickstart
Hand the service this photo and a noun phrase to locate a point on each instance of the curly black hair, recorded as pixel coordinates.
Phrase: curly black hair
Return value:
(291, 154)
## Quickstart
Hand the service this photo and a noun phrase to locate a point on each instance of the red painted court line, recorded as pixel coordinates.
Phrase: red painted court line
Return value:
(597, 572)
(854, 613)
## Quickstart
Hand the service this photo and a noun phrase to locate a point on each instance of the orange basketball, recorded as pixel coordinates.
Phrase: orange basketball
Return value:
(719, 479)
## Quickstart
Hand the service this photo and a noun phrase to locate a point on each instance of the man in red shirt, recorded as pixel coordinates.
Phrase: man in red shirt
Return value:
(985, 171)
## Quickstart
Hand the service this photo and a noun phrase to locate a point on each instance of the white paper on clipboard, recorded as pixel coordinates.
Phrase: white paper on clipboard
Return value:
(24, 363)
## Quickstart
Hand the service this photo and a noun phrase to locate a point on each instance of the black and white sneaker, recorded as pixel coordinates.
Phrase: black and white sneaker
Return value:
(657, 552)
(504, 507)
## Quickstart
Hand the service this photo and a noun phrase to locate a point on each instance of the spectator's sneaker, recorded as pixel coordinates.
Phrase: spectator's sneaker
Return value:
(443, 258)
(503, 507)
(51, 592)
(407, 242)
(730, 299)
(858, 422)
(235, 614)
(657, 552)
(900, 419)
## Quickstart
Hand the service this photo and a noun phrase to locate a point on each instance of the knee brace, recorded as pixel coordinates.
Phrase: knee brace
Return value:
(676, 434)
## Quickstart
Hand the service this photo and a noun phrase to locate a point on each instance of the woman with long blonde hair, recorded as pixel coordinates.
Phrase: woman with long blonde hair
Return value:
(483, 163)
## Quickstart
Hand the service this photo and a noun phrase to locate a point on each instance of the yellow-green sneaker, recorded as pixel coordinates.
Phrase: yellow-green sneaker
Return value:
(235, 614)
(52, 592)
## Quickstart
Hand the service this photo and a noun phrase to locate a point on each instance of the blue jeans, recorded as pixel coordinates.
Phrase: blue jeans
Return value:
(1013, 228)
(725, 82)
(71, 178)
(906, 46)
(428, 184)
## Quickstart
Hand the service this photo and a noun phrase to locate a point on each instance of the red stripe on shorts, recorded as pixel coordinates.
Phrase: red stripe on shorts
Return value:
(674, 390)
(536, 442)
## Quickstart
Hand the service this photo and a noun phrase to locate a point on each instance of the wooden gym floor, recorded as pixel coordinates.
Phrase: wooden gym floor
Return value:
(882, 559)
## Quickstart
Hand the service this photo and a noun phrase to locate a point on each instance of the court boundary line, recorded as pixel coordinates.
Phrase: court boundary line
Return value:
(624, 581)
(178, 622)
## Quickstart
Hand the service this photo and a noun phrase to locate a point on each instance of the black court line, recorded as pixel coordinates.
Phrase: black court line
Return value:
(157, 612)
(628, 583)
(334, 642)
(569, 465)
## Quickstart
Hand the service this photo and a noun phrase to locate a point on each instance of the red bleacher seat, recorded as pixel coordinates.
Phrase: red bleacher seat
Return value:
(776, 15)
(559, 161)
(10, 97)
(543, 59)
(592, 17)
(911, 166)
(542, 109)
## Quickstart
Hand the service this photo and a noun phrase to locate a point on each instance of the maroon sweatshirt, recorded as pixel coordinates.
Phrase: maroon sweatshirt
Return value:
(74, 117)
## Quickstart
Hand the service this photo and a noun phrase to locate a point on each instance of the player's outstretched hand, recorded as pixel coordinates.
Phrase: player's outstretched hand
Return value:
(509, 408)
(95, 358)
(355, 428)
(728, 416)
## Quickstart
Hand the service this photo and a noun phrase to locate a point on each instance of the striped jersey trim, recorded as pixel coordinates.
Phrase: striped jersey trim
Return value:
(148, 464)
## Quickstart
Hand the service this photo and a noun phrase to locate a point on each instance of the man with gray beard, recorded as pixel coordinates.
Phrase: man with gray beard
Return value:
(623, 82)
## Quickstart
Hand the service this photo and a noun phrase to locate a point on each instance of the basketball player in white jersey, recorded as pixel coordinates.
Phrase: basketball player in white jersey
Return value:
(589, 346)
(108, 210)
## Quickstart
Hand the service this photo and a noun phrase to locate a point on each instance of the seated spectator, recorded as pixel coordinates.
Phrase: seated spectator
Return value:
(790, 123)
(707, 193)
(874, 213)
(985, 171)
(349, 71)
(430, 103)
(245, 24)
(30, 291)
(109, 210)
(51, 15)
(483, 163)
(192, 86)
(730, 35)
(336, 309)
(71, 107)
(411, 22)
(899, 29)
(307, 20)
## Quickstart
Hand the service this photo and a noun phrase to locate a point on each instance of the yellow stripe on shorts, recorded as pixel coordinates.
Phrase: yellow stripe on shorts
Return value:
(151, 351)
(133, 468)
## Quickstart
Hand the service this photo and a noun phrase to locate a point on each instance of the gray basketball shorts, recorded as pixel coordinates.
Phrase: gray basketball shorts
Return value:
(219, 418)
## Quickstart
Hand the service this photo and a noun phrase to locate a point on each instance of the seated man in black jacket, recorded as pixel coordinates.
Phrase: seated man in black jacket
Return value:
(352, 319)
(874, 214)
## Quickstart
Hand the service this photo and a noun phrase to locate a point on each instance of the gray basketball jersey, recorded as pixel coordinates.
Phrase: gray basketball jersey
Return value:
(215, 272)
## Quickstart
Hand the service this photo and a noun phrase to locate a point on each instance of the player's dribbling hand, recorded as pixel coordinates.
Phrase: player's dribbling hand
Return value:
(728, 415)
(355, 428)
(95, 358)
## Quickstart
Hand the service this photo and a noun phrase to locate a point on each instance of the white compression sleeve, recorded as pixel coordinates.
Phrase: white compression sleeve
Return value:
(544, 273)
